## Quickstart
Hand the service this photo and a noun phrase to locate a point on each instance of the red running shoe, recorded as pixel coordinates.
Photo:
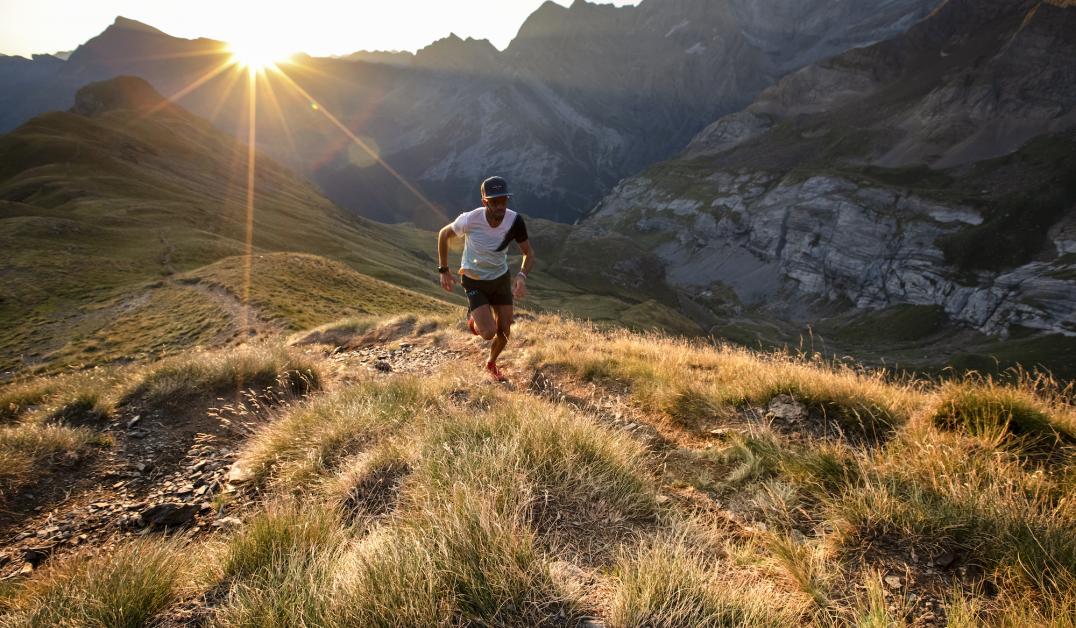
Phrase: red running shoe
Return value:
(470, 325)
(495, 373)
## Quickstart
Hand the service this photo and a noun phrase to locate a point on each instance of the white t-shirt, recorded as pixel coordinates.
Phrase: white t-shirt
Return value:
(485, 248)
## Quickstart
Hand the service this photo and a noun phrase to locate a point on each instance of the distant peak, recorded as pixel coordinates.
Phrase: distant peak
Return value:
(125, 23)
(119, 93)
(454, 46)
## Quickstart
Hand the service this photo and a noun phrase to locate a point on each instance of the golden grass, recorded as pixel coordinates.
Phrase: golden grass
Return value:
(314, 437)
(121, 588)
(1019, 416)
(207, 374)
(696, 384)
(532, 456)
(28, 450)
(436, 500)
(665, 582)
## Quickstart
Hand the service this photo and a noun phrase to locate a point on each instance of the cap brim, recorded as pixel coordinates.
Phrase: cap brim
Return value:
(498, 195)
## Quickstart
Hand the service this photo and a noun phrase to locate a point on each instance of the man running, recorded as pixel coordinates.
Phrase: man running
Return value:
(487, 232)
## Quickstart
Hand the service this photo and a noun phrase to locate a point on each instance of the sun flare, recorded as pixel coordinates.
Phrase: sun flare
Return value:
(258, 54)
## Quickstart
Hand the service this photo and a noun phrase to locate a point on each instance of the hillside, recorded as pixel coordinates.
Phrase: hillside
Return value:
(123, 223)
(378, 480)
(921, 188)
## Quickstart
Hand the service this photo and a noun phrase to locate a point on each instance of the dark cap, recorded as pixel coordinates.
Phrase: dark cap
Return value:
(494, 187)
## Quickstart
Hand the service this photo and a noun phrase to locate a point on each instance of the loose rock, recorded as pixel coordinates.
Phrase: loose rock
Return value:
(169, 515)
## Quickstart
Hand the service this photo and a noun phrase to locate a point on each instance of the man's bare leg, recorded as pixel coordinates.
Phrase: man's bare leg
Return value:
(484, 323)
(503, 316)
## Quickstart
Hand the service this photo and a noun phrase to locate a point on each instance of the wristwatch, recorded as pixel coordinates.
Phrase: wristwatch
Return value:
(442, 269)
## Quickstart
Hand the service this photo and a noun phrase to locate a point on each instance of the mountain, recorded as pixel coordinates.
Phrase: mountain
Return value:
(583, 96)
(934, 171)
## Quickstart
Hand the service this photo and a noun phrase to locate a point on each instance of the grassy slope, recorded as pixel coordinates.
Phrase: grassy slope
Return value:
(99, 210)
(108, 224)
(435, 500)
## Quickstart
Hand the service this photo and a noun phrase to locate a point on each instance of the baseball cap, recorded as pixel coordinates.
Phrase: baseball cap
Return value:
(494, 187)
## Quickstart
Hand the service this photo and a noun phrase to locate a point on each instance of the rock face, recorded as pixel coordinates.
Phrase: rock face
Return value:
(870, 179)
(775, 240)
(582, 97)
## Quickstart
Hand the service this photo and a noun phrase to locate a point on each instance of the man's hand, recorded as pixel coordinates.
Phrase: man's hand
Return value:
(519, 287)
(448, 281)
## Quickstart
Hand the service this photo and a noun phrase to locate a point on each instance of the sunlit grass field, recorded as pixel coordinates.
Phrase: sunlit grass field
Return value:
(437, 499)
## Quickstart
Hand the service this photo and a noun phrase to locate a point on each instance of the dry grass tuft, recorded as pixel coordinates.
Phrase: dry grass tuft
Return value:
(125, 587)
(312, 439)
(277, 570)
(463, 562)
(666, 583)
(208, 374)
(534, 456)
(16, 399)
(1017, 417)
(29, 449)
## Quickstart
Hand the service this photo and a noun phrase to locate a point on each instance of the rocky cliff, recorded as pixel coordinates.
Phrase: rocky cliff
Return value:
(785, 244)
(937, 168)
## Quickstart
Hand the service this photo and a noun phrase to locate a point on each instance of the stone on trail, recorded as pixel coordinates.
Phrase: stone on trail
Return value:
(786, 408)
(239, 474)
(169, 515)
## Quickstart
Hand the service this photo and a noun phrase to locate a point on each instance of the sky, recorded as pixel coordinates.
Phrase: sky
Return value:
(316, 27)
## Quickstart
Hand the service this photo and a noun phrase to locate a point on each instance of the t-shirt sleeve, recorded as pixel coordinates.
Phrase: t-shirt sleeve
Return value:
(460, 224)
(519, 230)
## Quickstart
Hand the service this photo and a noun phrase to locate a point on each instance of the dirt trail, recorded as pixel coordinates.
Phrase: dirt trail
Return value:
(244, 317)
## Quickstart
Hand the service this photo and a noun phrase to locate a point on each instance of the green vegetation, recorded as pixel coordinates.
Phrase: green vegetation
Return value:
(897, 324)
(303, 291)
(1017, 220)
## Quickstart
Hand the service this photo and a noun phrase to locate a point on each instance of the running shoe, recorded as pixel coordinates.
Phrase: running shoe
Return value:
(470, 325)
(495, 373)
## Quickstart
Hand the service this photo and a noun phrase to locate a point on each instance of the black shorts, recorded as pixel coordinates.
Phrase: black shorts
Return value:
(487, 292)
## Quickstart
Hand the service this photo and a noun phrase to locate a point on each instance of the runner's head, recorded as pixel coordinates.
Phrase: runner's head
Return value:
(495, 196)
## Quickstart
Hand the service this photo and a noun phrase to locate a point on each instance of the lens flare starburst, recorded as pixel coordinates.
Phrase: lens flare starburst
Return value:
(257, 54)
(266, 62)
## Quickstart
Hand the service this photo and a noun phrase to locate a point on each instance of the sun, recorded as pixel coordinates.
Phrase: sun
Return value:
(258, 54)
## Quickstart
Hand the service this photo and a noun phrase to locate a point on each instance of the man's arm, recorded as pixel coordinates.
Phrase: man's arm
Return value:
(448, 281)
(519, 287)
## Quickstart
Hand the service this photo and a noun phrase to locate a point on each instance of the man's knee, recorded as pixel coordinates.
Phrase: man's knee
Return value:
(487, 334)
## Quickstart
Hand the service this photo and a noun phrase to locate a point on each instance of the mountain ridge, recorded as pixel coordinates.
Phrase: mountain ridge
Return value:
(564, 120)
